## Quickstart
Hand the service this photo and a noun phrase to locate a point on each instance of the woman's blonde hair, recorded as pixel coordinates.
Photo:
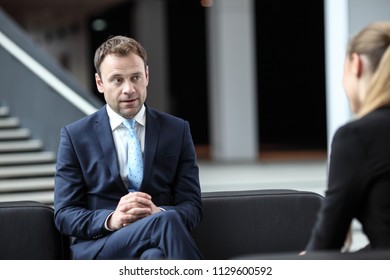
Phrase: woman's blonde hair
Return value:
(373, 41)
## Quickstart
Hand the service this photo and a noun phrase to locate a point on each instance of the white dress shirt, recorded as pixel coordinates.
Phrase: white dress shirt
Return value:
(120, 134)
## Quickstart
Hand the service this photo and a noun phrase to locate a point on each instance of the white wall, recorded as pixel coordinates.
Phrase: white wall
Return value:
(336, 37)
(362, 12)
(69, 42)
(232, 91)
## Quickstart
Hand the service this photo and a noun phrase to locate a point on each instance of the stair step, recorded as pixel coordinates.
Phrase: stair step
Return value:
(9, 122)
(20, 146)
(23, 185)
(26, 158)
(18, 133)
(46, 197)
(27, 171)
(4, 111)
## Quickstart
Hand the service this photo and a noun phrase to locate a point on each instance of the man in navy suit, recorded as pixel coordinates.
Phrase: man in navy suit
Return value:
(95, 202)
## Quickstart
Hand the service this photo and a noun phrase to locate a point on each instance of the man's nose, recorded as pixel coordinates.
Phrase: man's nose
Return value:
(128, 87)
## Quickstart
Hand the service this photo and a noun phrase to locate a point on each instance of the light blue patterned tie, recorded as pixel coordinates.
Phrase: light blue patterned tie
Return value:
(134, 158)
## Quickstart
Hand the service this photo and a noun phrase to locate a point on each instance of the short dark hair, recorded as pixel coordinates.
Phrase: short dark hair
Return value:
(120, 46)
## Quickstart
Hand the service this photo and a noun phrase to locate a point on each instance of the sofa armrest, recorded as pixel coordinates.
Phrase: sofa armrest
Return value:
(28, 232)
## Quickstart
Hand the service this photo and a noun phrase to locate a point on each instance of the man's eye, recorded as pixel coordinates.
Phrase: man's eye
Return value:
(117, 80)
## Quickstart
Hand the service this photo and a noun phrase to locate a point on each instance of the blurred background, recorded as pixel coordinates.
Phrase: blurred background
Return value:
(266, 58)
(258, 81)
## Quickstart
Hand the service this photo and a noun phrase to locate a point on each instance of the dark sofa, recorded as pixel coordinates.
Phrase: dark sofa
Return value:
(28, 232)
(255, 222)
(235, 223)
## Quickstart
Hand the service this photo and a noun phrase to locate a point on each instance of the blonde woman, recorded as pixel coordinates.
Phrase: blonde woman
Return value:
(359, 172)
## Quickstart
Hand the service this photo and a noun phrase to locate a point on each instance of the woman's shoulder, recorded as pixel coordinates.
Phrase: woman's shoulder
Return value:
(376, 118)
(372, 125)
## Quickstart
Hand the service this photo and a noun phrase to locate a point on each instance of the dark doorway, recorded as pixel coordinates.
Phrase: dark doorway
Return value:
(291, 75)
(188, 67)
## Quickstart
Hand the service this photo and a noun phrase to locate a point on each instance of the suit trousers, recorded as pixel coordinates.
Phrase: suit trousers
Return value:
(159, 236)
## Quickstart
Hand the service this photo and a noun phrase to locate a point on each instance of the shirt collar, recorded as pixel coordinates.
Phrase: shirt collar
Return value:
(116, 119)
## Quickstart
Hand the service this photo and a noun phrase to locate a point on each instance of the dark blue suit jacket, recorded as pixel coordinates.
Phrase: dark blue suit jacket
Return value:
(88, 185)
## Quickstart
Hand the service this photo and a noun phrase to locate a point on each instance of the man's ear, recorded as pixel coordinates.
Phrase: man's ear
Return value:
(357, 64)
(147, 74)
(99, 83)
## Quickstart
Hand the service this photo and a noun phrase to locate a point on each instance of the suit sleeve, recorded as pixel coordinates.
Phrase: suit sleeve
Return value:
(186, 198)
(72, 216)
(347, 176)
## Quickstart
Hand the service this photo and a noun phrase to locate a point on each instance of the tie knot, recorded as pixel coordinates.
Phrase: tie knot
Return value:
(129, 123)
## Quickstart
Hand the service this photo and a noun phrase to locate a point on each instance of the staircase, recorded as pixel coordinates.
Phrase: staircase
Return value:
(26, 170)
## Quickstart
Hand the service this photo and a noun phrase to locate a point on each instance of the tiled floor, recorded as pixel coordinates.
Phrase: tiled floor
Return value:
(301, 175)
(307, 175)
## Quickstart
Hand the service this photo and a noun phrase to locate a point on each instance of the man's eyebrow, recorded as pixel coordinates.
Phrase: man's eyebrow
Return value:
(119, 75)
(115, 75)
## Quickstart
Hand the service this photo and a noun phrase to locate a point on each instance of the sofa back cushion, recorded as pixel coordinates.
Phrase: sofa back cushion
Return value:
(251, 222)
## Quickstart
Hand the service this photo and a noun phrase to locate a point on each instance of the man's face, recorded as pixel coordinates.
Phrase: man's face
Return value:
(123, 81)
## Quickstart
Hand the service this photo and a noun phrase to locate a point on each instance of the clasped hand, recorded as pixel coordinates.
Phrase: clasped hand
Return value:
(131, 208)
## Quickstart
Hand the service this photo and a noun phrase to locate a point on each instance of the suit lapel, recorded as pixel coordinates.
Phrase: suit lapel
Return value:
(103, 131)
(152, 133)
